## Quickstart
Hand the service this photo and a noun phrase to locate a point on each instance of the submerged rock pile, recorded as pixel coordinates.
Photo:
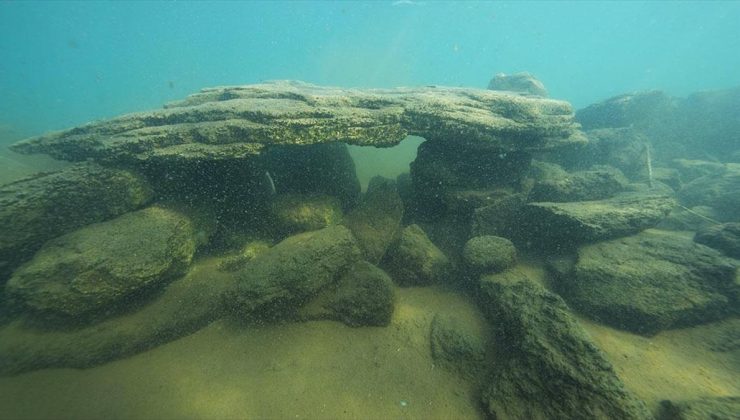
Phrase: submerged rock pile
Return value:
(243, 202)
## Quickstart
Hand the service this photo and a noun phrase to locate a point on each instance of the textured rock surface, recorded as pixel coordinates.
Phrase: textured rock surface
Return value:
(185, 305)
(239, 121)
(40, 208)
(295, 270)
(720, 191)
(548, 367)
(377, 219)
(518, 82)
(364, 296)
(717, 408)
(489, 254)
(595, 184)
(102, 264)
(458, 345)
(563, 225)
(724, 237)
(414, 260)
(650, 282)
(301, 212)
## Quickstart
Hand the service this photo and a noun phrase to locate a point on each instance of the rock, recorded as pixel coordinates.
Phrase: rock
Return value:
(489, 254)
(299, 212)
(519, 82)
(668, 176)
(715, 408)
(724, 237)
(364, 296)
(245, 255)
(184, 306)
(441, 170)
(292, 272)
(376, 221)
(595, 184)
(85, 271)
(498, 216)
(690, 169)
(693, 219)
(239, 121)
(549, 369)
(650, 282)
(39, 208)
(414, 260)
(639, 109)
(721, 192)
(314, 169)
(564, 225)
(458, 345)
(622, 148)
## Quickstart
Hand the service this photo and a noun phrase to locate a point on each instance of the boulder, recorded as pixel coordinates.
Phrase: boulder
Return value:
(364, 296)
(724, 237)
(288, 275)
(715, 408)
(48, 205)
(458, 345)
(498, 215)
(650, 282)
(721, 192)
(690, 169)
(413, 260)
(323, 169)
(240, 121)
(86, 271)
(300, 212)
(550, 368)
(595, 184)
(693, 219)
(489, 254)
(564, 225)
(639, 109)
(518, 82)
(377, 219)
(184, 306)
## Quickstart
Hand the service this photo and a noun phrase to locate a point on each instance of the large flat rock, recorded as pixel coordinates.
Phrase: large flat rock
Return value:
(238, 121)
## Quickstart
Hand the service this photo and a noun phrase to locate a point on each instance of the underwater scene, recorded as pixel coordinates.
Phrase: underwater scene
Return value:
(370, 210)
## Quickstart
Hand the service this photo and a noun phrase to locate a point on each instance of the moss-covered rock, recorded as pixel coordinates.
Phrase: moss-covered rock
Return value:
(724, 237)
(548, 368)
(594, 184)
(719, 191)
(376, 221)
(364, 296)
(717, 408)
(458, 345)
(295, 213)
(48, 205)
(413, 260)
(489, 254)
(100, 265)
(292, 272)
(565, 225)
(650, 282)
(247, 253)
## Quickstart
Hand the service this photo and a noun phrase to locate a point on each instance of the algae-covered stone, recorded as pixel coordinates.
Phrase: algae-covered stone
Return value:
(100, 265)
(489, 254)
(293, 271)
(564, 225)
(720, 191)
(724, 237)
(42, 207)
(594, 184)
(549, 369)
(238, 121)
(650, 282)
(518, 82)
(458, 345)
(184, 306)
(246, 254)
(363, 296)
(414, 260)
(715, 408)
(375, 222)
(301, 212)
